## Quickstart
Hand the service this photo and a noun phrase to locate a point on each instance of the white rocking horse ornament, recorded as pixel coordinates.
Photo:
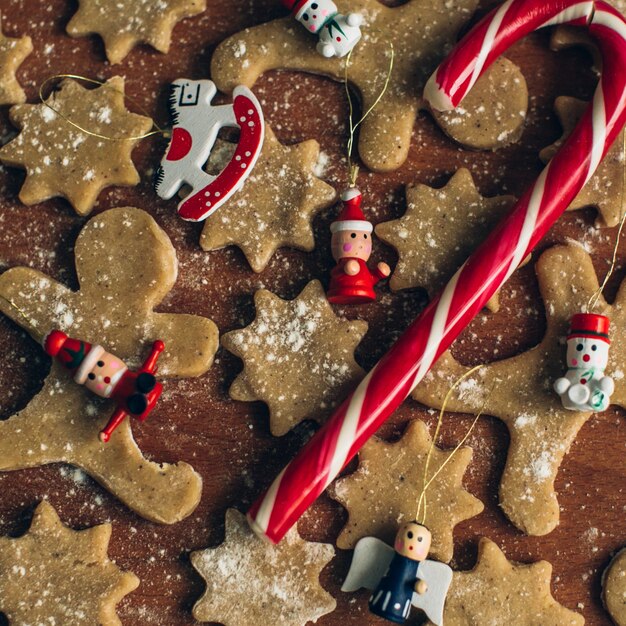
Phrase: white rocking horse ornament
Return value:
(196, 124)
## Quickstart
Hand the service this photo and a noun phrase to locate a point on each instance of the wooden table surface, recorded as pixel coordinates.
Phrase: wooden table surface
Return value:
(229, 442)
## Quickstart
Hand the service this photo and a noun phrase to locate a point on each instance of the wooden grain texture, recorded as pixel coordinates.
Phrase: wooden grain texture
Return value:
(229, 442)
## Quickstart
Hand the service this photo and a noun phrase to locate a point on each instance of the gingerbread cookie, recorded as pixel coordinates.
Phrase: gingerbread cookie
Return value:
(252, 582)
(385, 135)
(605, 190)
(55, 575)
(122, 25)
(384, 491)
(12, 54)
(466, 123)
(61, 160)
(518, 390)
(125, 265)
(298, 357)
(275, 206)
(614, 588)
(500, 592)
(438, 232)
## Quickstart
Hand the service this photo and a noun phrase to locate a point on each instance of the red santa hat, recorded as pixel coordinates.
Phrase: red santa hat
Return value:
(78, 356)
(351, 216)
(589, 326)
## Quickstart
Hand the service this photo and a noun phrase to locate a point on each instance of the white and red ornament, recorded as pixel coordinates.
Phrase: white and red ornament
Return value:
(337, 33)
(351, 281)
(196, 124)
(136, 393)
(400, 577)
(584, 386)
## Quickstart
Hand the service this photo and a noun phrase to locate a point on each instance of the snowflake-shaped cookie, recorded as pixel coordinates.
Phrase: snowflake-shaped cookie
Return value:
(384, 491)
(61, 160)
(298, 357)
(252, 582)
(122, 25)
(275, 206)
(55, 575)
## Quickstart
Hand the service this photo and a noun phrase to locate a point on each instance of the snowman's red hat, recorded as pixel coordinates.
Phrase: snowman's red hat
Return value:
(590, 326)
(351, 216)
(296, 5)
(78, 356)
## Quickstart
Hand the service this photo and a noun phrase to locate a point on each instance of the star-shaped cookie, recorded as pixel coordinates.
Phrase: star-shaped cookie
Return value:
(122, 25)
(125, 265)
(252, 582)
(298, 357)
(421, 31)
(61, 160)
(384, 491)
(518, 390)
(12, 54)
(499, 592)
(275, 206)
(55, 575)
(605, 190)
(440, 229)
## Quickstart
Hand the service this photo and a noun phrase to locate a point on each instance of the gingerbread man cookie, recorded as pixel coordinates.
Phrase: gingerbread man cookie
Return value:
(385, 135)
(275, 206)
(55, 575)
(60, 159)
(252, 582)
(122, 25)
(438, 232)
(518, 390)
(298, 357)
(126, 265)
(384, 491)
(500, 592)
(12, 54)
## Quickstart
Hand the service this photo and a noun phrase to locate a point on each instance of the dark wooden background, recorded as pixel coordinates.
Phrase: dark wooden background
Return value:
(229, 442)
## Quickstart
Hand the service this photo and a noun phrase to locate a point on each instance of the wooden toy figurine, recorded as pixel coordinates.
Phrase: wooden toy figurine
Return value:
(196, 124)
(351, 282)
(584, 386)
(337, 33)
(400, 576)
(136, 393)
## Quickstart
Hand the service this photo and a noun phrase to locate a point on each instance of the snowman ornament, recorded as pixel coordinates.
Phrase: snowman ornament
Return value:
(337, 33)
(584, 387)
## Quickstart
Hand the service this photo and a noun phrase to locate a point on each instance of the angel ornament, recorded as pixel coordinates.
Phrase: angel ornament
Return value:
(400, 576)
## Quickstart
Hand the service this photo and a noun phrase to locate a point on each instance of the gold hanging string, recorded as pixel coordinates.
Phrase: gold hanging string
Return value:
(158, 131)
(353, 170)
(421, 504)
(593, 300)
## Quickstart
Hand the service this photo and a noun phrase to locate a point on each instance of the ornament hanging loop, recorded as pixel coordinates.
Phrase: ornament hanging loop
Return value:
(42, 87)
(352, 169)
(420, 515)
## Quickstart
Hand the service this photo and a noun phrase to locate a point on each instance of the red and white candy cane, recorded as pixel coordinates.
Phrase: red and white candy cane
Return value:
(407, 362)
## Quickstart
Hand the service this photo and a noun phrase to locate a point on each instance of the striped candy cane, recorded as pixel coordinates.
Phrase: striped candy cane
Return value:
(407, 362)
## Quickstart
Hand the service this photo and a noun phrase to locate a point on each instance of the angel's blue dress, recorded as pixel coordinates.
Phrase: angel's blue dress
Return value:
(392, 597)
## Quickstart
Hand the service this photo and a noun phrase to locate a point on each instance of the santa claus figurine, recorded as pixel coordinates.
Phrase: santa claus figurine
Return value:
(136, 393)
(337, 33)
(351, 282)
(585, 387)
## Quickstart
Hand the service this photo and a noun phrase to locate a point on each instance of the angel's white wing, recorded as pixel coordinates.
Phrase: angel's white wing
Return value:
(369, 563)
(438, 577)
